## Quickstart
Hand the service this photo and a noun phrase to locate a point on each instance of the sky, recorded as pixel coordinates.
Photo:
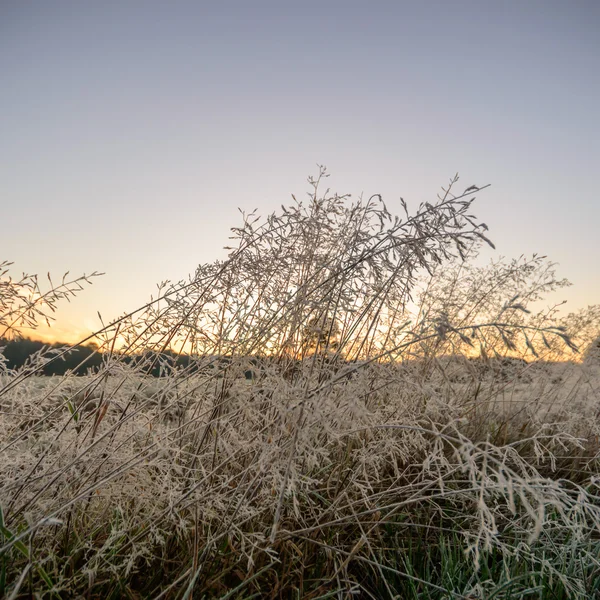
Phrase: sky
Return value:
(132, 131)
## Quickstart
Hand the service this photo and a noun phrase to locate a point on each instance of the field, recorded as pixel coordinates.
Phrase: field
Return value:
(402, 480)
(362, 413)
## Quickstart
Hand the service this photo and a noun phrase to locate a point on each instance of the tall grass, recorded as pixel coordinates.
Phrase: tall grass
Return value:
(333, 435)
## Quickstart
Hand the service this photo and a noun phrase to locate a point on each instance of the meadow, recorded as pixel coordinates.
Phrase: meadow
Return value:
(367, 413)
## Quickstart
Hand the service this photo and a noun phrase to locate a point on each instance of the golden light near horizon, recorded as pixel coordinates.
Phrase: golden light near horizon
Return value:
(57, 333)
(335, 261)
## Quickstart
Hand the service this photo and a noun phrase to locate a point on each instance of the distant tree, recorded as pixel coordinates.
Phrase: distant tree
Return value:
(78, 359)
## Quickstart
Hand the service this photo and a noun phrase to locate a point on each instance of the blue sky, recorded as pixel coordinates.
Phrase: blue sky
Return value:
(132, 131)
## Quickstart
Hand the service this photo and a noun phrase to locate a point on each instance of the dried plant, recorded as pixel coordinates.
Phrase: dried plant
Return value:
(23, 302)
(328, 434)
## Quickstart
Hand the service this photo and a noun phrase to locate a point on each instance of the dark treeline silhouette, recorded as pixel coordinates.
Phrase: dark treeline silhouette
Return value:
(81, 360)
(85, 359)
(19, 352)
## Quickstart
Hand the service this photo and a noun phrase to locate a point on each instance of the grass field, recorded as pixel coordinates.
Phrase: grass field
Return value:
(357, 420)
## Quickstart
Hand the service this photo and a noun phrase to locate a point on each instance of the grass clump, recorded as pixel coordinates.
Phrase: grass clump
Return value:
(360, 414)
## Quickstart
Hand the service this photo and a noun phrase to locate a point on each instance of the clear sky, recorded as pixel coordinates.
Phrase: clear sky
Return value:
(132, 131)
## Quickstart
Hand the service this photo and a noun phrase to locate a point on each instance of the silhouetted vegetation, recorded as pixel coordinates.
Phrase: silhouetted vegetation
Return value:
(86, 359)
(79, 360)
(357, 409)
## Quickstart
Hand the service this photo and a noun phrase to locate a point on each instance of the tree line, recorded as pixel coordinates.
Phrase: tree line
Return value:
(81, 359)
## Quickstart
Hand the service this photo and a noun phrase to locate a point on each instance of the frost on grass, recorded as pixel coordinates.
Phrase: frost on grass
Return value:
(332, 416)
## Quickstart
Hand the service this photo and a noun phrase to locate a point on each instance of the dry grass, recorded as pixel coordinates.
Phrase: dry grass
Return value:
(318, 445)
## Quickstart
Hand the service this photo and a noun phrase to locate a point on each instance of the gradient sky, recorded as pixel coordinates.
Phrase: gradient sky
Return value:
(132, 131)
